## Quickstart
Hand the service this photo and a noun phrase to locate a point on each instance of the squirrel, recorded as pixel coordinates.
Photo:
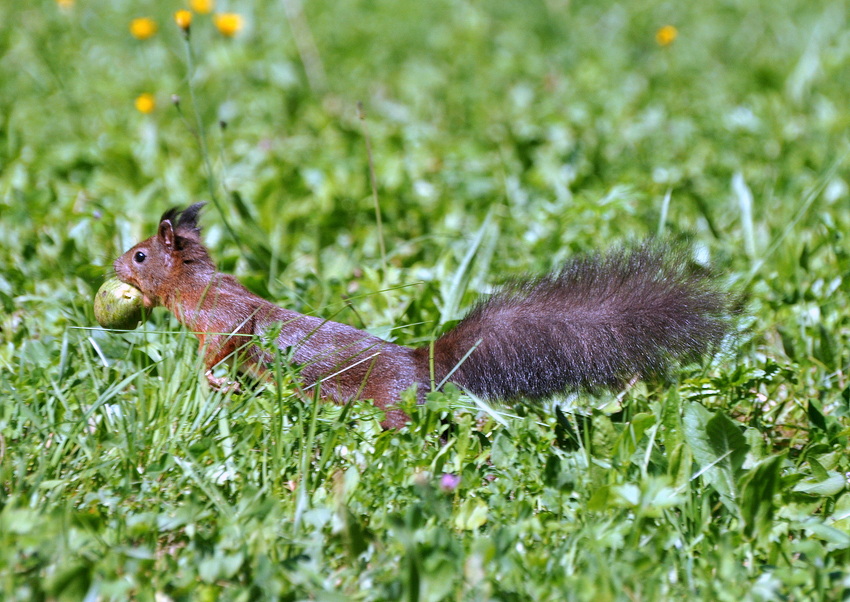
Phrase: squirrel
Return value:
(599, 322)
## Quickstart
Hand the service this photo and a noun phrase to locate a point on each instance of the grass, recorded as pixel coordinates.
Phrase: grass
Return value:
(504, 137)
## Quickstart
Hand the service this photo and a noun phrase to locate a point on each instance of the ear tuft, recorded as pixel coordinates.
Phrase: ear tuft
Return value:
(184, 222)
(189, 219)
(171, 215)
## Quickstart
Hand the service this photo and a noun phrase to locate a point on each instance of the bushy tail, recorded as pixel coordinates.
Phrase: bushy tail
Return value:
(597, 323)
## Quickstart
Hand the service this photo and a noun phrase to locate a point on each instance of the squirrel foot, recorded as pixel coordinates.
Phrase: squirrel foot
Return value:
(222, 384)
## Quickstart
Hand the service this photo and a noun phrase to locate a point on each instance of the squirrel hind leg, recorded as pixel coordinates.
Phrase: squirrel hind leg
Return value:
(395, 419)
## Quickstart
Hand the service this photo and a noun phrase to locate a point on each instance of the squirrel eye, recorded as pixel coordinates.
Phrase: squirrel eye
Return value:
(139, 257)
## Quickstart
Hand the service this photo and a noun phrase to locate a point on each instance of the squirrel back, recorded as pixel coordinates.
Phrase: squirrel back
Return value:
(599, 322)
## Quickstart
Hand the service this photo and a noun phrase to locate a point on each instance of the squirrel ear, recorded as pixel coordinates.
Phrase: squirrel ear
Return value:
(166, 233)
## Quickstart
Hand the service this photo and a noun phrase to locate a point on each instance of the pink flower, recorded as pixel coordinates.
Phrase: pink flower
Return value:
(449, 482)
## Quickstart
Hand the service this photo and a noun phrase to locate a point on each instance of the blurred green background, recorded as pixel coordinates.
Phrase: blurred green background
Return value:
(513, 134)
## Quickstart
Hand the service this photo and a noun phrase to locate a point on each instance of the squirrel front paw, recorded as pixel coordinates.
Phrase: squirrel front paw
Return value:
(222, 384)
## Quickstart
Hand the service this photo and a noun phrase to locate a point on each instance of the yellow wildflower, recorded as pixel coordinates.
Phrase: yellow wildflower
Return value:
(183, 18)
(229, 24)
(142, 28)
(666, 35)
(145, 103)
(202, 7)
(65, 4)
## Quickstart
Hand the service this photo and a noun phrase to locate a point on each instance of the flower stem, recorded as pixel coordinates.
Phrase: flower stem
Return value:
(202, 141)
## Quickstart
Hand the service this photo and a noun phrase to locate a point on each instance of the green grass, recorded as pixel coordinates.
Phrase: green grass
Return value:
(506, 136)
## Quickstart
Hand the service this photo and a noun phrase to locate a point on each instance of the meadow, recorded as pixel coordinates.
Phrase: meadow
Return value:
(502, 138)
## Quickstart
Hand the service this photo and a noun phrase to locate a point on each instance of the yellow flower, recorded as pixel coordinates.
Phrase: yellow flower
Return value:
(65, 4)
(666, 35)
(229, 24)
(142, 28)
(145, 103)
(183, 18)
(202, 7)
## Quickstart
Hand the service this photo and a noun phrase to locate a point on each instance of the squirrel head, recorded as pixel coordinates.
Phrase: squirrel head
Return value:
(165, 264)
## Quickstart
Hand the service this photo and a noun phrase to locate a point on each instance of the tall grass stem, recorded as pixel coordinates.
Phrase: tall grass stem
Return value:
(374, 182)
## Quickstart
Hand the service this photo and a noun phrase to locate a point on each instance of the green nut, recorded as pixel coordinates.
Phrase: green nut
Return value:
(118, 305)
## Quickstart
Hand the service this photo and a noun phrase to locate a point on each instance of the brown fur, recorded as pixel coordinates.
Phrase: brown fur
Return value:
(599, 322)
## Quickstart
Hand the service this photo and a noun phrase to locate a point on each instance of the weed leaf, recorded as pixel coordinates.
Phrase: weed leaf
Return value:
(758, 487)
(719, 448)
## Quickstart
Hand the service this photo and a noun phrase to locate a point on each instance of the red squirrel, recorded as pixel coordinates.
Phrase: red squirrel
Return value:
(597, 323)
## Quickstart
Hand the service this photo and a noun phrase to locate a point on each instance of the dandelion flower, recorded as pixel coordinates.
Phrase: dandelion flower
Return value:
(202, 7)
(65, 4)
(142, 28)
(145, 103)
(183, 18)
(229, 24)
(666, 35)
